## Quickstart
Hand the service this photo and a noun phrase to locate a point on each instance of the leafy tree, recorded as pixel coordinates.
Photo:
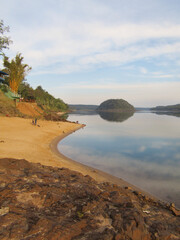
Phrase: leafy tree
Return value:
(48, 101)
(4, 40)
(16, 70)
(26, 92)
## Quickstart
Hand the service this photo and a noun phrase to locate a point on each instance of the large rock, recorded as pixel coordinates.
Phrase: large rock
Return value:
(40, 202)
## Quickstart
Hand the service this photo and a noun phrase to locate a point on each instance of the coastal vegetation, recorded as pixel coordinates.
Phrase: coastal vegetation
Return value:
(48, 105)
(115, 105)
(44, 99)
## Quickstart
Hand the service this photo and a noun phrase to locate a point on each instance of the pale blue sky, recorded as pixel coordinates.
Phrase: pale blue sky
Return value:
(87, 51)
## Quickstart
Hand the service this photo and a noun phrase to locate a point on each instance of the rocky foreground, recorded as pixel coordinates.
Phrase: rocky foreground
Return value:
(40, 202)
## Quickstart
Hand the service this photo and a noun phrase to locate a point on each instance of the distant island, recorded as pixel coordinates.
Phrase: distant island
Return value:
(173, 110)
(115, 105)
(169, 108)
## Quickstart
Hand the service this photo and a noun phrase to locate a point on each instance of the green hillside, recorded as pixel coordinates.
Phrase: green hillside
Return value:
(115, 105)
(42, 97)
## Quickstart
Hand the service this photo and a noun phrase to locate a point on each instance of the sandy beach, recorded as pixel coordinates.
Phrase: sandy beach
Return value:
(38, 144)
(21, 140)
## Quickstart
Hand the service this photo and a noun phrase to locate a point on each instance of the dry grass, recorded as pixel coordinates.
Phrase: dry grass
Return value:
(7, 106)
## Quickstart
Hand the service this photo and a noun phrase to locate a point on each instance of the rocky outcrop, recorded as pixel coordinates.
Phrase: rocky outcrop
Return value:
(40, 202)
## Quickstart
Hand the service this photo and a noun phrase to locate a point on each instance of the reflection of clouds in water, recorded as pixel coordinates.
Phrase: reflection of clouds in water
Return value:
(141, 149)
(140, 125)
(177, 156)
(161, 144)
(116, 162)
(158, 179)
(127, 151)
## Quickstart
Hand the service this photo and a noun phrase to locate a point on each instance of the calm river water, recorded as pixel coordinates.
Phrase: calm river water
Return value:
(143, 149)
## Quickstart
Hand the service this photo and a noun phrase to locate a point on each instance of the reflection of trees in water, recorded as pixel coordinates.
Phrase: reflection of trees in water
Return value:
(115, 116)
(175, 114)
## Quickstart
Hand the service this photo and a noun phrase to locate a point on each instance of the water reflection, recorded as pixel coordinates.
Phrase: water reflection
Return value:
(175, 114)
(145, 150)
(115, 116)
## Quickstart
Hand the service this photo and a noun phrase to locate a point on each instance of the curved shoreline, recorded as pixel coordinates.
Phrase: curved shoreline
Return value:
(96, 174)
(38, 144)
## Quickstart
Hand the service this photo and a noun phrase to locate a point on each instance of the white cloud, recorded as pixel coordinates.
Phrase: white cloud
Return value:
(163, 76)
(178, 63)
(143, 70)
(129, 86)
(141, 149)
(82, 36)
(67, 33)
(83, 43)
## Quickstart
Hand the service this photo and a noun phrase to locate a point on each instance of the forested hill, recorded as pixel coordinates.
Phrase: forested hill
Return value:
(42, 97)
(172, 108)
(116, 105)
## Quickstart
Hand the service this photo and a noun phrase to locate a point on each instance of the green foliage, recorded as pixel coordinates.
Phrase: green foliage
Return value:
(118, 105)
(26, 92)
(48, 101)
(17, 71)
(4, 40)
(42, 97)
